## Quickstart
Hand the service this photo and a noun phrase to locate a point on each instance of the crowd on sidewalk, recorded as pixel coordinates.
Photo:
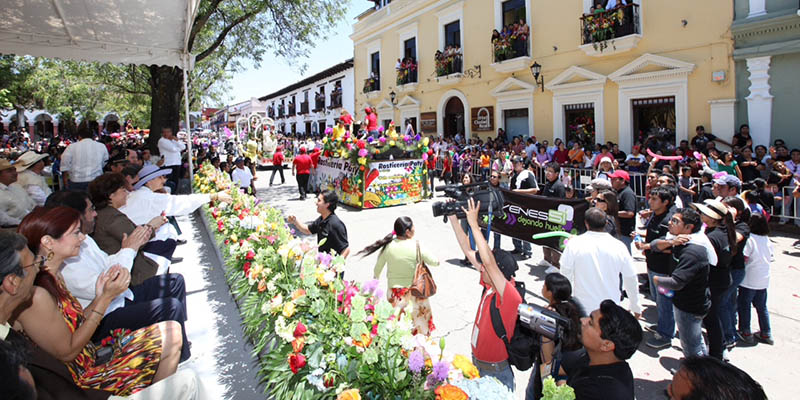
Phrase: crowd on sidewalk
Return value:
(93, 246)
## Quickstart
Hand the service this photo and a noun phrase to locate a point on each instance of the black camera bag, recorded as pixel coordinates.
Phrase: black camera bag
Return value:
(523, 348)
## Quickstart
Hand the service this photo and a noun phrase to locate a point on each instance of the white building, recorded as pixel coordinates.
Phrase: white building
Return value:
(311, 105)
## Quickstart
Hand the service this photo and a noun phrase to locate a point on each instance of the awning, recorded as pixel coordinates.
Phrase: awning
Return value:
(142, 32)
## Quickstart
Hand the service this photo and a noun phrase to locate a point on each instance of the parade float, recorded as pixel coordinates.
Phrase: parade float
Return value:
(254, 138)
(374, 172)
(317, 336)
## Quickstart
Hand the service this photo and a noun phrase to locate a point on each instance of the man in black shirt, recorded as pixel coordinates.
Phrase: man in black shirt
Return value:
(610, 335)
(328, 226)
(523, 181)
(658, 264)
(553, 187)
(627, 205)
(688, 281)
(700, 142)
(706, 187)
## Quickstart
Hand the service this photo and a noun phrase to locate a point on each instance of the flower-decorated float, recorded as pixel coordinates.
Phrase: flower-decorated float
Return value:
(374, 172)
(316, 335)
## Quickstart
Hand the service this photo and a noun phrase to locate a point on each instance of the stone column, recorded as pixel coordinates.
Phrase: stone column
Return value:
(55, 129)
(759, 102)
(32, 131)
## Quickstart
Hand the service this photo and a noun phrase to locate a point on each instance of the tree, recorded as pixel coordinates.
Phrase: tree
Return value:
(223, 34)
(15, 73)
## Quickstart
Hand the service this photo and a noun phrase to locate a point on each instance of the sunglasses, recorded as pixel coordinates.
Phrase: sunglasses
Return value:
(599, 200)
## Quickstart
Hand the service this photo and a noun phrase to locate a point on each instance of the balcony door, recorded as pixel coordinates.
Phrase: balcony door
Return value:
(452, 34)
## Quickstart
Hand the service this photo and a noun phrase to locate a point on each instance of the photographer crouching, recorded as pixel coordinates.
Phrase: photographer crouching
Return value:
(497, 278)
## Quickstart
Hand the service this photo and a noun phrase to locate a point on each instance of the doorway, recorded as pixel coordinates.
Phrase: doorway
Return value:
(579, 122)
(454, 118)
(516, 123)
(655, 118)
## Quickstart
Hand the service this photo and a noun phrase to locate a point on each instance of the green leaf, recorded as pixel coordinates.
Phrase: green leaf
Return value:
(356, 330)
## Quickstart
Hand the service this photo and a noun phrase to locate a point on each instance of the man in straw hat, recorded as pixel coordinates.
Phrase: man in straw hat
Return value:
(29, 176)
(14, 201)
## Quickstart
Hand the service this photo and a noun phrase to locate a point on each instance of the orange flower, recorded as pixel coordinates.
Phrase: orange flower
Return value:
(349, 394)
(450, 392)
(298, 344)
(365, 341)
(298, 294)
(262, 286)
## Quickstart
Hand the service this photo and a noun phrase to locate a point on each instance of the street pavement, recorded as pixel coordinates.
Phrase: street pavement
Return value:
(223, 359)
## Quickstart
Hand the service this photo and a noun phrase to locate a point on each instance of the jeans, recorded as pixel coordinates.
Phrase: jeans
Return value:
(78, 186)
(758, 298)
(506, 376)
(666, 317)
(521, 246)
(627, 240)
(728, 306)
(690, 331)
(279, 169)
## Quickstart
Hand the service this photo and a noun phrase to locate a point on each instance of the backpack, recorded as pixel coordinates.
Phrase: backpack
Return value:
(523, 348)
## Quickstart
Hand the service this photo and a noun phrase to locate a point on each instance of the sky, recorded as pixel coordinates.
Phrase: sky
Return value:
(275, 74)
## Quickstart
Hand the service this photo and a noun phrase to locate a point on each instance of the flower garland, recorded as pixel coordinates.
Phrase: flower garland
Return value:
(319, 336)
(601, 27)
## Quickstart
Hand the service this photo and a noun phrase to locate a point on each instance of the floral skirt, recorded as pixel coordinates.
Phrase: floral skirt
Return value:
(421, 316)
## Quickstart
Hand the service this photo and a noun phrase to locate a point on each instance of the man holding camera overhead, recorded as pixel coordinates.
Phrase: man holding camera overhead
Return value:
(497, 270)
(523, 181)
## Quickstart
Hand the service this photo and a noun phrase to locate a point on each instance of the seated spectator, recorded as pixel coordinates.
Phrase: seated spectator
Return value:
(57, 323)
(29, 176)
(610, 335)
(709, 378)
(15, 203)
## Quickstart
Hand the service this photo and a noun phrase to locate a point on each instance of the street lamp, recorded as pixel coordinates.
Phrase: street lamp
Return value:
(536, 71)
(393, 97)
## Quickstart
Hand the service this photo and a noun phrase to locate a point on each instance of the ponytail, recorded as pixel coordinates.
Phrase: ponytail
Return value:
(401, 226)
(731, 231)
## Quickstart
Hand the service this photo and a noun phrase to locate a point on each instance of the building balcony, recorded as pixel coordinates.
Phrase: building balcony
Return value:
(372, 87)
(281, 112)
(448, 64)
(611, 32)
(304, 107)
(336, 99)
(292, 111)
(319, 102)
(511, 55)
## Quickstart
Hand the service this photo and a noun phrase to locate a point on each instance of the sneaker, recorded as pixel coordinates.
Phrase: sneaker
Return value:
(551, 270)
(652, 328)
(764, 338)
(658, 342)
(746, 337)
(729, 345)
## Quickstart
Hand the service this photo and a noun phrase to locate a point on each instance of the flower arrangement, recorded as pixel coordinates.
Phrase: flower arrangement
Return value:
(317, 335)
(601, 27)
(405, 72)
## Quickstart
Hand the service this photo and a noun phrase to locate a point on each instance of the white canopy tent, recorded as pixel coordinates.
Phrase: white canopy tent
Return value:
(142, 32)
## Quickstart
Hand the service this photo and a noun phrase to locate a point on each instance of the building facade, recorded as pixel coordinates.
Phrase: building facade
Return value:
(636, 69)
(767, 57)
(313, 104)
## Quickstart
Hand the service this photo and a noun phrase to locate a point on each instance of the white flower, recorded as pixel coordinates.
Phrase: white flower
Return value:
(329, 276)
(264, 308)
(271, 286)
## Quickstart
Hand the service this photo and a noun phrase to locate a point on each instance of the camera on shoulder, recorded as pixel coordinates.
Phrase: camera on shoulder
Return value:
(479, 192)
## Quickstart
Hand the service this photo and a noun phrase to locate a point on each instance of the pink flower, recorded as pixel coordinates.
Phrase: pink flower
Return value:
(363, 153)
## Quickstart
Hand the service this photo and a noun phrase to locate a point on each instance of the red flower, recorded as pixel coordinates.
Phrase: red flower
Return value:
(329, 381)
(246, 268)
(297, 362)
(300, 330)
(227, 241)
(250, 255)
(298, 344)
(361, 144)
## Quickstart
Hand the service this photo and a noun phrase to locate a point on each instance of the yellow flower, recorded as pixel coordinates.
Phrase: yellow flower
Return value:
(465, 366)
(349, 394)
(288, 310)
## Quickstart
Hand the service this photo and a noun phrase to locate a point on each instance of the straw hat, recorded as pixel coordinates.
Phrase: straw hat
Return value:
(28, 159)
(5, 164)
(712, 208)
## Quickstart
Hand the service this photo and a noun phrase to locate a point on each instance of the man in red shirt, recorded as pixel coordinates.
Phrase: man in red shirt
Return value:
(371, 121)
(497, 278)
(277, 165)
(313, 182)
(301, 166)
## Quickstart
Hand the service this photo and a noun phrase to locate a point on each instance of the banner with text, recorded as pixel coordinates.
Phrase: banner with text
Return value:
(393, 182)
(526, 215)
(338, 174)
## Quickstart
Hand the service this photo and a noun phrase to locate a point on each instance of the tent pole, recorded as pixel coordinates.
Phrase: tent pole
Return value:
(188, 129)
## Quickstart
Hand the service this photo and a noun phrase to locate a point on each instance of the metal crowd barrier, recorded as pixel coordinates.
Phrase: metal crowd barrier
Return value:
(788, 207)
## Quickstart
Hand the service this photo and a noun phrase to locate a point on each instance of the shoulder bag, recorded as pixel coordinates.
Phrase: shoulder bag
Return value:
(423, 285)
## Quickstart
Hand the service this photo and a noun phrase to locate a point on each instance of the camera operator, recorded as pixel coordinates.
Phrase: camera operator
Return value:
(523, 181)
(558, 292)
(610, 335)
(497, 270)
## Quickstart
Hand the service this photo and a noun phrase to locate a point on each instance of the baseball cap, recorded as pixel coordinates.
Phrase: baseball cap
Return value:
(599, 184)
(605, 159)
(621, 174)
(505, 261)
(728, 180)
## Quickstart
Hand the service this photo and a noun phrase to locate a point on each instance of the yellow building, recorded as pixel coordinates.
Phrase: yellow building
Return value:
(649, 66)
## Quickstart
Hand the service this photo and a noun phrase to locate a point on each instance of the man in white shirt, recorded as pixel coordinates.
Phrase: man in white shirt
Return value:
(83, 161)
(157, 299)
(170, 149)
(15, 203)
(242, 176)
(593, 263)
(29, 176)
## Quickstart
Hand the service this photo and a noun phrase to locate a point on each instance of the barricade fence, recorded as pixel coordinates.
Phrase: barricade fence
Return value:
(787, 207)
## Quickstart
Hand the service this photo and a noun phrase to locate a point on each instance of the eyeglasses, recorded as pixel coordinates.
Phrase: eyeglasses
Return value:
(495, 177)
(599, 200)
(38, 263)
